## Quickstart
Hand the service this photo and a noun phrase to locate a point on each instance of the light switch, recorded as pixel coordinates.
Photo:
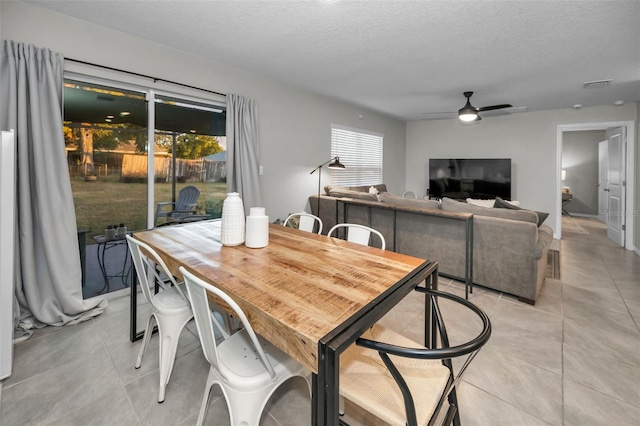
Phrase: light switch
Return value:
(260, 170)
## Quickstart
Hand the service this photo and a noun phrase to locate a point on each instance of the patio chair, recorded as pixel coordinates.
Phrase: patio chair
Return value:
(183, 206)
(306, 221)
(358, 234)
(404, 383)
(247, 368)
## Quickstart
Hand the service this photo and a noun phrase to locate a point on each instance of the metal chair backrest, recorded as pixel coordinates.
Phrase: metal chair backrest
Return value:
(147, 265)
(358, 234)
(306, 221)
(409, 194)
(436, 380)
(197, 289)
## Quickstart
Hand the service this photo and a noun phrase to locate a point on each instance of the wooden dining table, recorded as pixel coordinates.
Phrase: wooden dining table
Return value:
(309, 295)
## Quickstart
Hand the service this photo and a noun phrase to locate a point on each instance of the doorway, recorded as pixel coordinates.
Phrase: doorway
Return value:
(628, 179)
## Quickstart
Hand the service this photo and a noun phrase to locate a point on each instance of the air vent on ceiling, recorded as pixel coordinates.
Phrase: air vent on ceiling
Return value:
(596, 83)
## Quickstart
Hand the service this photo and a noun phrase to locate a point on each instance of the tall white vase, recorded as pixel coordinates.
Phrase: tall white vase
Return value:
(233, 223)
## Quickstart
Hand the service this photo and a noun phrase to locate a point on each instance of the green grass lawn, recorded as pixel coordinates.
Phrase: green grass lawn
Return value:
(107, 201)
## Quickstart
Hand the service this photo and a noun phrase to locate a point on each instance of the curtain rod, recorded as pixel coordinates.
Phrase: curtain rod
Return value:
(155, 79)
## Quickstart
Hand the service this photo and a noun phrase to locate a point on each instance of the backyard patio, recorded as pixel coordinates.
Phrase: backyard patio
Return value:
(108, 201)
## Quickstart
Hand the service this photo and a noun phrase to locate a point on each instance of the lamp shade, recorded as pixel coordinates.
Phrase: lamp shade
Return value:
(336, 164)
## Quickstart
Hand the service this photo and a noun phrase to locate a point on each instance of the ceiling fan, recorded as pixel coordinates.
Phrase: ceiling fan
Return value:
(471, 113)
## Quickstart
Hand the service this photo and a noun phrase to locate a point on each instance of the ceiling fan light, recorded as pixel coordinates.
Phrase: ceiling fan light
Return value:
(468, 112)
(468, 116)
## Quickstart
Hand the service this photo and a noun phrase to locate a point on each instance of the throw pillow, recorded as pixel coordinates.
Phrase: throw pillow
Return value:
(481, 203)
(502, 204)
(373, 190)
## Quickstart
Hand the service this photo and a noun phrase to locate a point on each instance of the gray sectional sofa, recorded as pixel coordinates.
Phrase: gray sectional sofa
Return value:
(508, 248)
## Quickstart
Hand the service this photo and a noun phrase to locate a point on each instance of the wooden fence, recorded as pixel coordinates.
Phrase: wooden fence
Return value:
(201, 170)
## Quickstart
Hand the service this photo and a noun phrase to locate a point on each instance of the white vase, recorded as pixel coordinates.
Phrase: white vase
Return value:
(233, 223)
(257, 235)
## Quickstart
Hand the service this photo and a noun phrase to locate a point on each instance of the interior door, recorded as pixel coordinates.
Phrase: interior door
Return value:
(616, 138)
(603, 180)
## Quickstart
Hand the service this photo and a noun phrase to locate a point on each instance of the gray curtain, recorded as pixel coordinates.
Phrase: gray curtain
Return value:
(242, 150)
(48, 283)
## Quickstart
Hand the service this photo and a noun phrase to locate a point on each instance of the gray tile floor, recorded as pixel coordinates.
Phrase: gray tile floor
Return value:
(573, 359)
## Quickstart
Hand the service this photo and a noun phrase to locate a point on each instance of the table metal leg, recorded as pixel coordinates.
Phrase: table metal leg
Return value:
(134, 334)
(133, 308)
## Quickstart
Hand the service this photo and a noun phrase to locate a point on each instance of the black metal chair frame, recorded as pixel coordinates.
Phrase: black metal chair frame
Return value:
(444, 353)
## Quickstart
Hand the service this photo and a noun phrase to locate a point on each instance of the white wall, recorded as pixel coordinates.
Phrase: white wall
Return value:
(529, 139)
(294, 125)
(580, 161)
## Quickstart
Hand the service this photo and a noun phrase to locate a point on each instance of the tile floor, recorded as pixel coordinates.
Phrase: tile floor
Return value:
(573, 359)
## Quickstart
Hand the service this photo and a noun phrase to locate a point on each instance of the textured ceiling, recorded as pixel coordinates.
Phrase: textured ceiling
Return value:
(403, 58)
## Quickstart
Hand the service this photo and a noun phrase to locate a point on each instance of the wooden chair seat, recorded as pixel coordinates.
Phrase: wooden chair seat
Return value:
(366, 381)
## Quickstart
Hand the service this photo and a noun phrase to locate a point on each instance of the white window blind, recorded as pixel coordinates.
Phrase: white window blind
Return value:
(361, 154)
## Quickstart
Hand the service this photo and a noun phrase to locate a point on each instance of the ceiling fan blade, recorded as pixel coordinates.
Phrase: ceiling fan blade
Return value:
(492, 107)
(439, 113)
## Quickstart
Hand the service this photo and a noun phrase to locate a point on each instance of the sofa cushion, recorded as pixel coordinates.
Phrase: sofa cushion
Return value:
(451, 205)
(502, 204)
(387, 197)
(348, 193)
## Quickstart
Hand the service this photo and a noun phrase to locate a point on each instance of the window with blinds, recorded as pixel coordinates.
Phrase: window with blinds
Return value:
(360, 152)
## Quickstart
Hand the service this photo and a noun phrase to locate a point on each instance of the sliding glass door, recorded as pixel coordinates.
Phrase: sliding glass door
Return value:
(192, 135)
(112, 171)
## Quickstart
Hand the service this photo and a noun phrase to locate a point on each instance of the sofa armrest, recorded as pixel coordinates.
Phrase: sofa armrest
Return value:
(545, 236)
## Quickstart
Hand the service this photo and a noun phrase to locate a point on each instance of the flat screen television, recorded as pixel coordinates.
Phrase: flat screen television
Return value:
(462, 178)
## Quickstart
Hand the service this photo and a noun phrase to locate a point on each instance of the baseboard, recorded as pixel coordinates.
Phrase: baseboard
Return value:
(592, 216)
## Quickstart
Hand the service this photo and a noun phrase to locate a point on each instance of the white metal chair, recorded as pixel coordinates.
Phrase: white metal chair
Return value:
(170, 307)
(247, 382)
(409, 194)
(306, 221)
(358, 234)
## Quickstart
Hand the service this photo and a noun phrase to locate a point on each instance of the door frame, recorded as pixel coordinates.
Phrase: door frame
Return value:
(630, 165)
(602, 217)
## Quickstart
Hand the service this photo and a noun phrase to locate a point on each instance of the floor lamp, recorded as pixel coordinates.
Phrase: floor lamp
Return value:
(335, 164)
